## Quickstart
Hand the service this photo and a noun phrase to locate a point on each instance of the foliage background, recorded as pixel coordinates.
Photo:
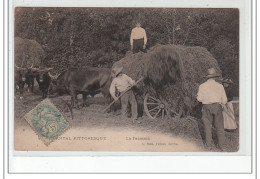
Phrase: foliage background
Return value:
(100, 36)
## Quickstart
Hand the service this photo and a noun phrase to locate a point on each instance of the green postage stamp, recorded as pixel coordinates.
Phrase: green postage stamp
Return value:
(47, 121)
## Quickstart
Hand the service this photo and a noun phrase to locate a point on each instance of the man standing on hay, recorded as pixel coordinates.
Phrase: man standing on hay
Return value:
(138, 39)
(213, 97)
(121, 83)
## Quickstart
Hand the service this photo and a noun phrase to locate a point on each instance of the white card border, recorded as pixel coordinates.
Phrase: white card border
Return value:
(246, 79)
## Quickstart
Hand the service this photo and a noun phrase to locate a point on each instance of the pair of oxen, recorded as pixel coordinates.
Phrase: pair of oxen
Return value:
(74, 81)
(27, 75)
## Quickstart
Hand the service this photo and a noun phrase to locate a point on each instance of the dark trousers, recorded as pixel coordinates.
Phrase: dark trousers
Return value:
(212, 114)
(127, 98)
(138, 45)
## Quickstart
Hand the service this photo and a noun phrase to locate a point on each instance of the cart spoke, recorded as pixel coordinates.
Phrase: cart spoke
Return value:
(154, 109)
(162, 113)
(167, 112)
(157, 113)
(153, 103)
(154, 99)
(173, 112)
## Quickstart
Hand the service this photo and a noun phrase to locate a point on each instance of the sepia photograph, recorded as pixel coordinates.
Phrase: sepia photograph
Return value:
(126, 79)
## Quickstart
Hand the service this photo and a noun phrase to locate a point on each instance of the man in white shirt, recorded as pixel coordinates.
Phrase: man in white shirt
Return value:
(120, 83)
(138, 39)
(213, 97)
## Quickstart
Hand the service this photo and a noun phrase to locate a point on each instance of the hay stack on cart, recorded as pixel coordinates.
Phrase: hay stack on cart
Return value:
(172, 75)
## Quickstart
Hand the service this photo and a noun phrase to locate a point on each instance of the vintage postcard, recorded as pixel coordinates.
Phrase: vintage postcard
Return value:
(126, 79)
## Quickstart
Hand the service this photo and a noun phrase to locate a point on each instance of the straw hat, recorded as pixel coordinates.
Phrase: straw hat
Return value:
(212, 73)
(116, 70)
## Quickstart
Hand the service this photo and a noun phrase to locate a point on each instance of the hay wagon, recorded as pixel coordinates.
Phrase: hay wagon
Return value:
(172, 75)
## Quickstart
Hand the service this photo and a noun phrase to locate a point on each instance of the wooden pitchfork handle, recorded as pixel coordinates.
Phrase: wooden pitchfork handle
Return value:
(123, 94)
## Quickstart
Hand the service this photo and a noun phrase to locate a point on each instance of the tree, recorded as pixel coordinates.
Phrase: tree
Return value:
(100, 36)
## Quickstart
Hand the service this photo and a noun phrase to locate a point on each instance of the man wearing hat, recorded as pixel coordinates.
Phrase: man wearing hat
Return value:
(138, 38)
(213, 97)
(120, 83)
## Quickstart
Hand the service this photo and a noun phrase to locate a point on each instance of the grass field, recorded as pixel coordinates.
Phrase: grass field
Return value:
(186, 133)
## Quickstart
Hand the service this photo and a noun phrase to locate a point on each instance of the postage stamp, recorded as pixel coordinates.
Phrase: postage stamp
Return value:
(47, 121)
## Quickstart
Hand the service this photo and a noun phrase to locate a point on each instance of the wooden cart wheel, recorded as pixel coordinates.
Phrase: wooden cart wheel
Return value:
(155, 108)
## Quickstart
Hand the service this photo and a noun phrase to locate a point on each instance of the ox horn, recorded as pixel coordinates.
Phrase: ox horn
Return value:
(53, 77)
(49, 69)
(17, 67)
(20, 68)
(35, 69)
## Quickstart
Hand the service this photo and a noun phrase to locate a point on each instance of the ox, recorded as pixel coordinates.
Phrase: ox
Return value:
(85, 81)
(43, 79)
(23, 76)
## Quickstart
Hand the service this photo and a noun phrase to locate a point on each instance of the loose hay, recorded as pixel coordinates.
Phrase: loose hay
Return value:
(27, 53)
(172, 73)
(186, 127)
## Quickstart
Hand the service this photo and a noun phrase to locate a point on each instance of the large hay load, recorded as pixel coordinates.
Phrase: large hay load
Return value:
(27, 53)
(171, 72)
